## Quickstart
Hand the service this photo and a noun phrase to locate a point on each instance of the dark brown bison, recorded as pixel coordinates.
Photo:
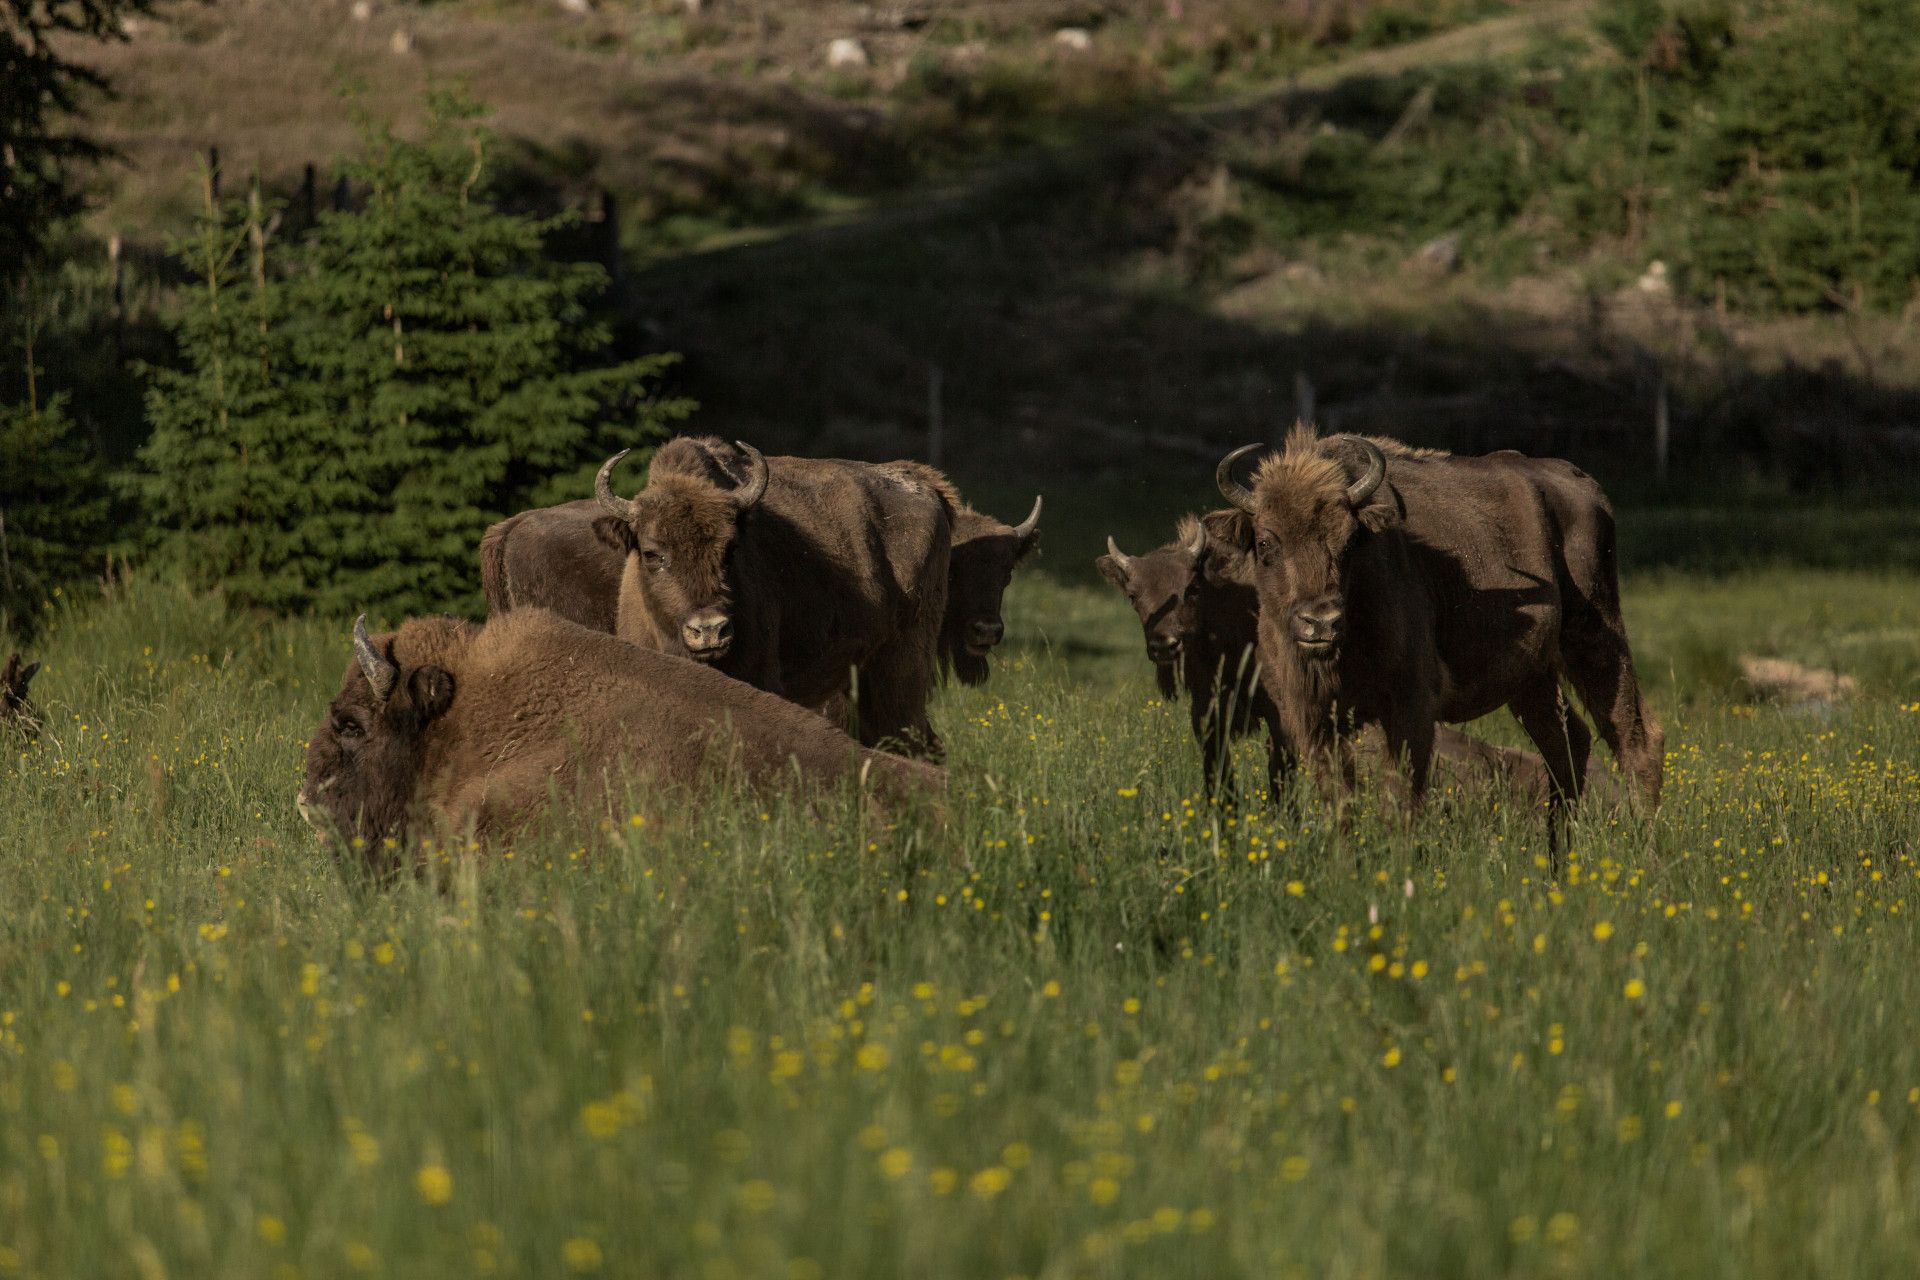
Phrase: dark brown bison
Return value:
(16, 711)
(985, 554)
(821, 580)
(1401, 587)
(552, 557)
(1202, 631)
(450, 726)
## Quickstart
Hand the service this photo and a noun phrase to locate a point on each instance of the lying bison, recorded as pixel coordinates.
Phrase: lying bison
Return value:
(552, 556)
(450, 726)
(1202, 632)
(822, 582)
(16, 711)
(1401, 587)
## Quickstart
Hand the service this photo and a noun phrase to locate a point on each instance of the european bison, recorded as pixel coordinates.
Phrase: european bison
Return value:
(1200, 625)
(552, 557)
(985, 554)
(1202, 632)
(16, 712)
(452, 726)
(1401, 587)
(814, 581)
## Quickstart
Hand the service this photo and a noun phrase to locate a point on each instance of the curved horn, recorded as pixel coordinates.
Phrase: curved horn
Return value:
(1120, 557)
(1197, 545)
(1362, 489)
(603, 487)
(1230, 489)
(755, 487)
(380, 673)
(1028, 527)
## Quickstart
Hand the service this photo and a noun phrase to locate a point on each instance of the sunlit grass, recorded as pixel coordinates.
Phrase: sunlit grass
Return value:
(1090, 1027)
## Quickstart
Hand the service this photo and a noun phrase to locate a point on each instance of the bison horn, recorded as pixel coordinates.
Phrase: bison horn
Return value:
(1230, 489)
(1031, 525)
(1197, 545)
(755, 487)
(381, 674)
(1362, 489)
(1120, 557)
(603, 487)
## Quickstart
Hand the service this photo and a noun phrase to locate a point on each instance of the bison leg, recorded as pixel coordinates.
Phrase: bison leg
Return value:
(894, 686)
(1564, 743)
(1601, 668)
(1410, 743)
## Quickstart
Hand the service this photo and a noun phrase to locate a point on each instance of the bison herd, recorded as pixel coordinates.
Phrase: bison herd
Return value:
(786, 620)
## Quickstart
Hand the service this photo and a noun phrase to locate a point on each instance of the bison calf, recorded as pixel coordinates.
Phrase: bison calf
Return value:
(456, 727)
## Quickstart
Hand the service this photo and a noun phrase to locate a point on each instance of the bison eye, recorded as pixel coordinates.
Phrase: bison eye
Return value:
(348, 727)
(654, 559)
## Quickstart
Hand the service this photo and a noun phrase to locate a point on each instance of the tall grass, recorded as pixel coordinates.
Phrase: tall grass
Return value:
(1090, 1027)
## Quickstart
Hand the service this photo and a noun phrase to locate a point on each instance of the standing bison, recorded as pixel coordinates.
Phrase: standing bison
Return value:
(822, 581)
(551, 556)
(1401, 587)
(1202, 622)
(1201, 629)
(985, 554)
(444, 725)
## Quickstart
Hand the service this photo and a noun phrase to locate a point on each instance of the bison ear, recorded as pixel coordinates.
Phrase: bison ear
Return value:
(1026, 546)
(26, 676)
(614, 533)
(1381, 514)
(1110, 570)
(1232, 530)
(430, 690)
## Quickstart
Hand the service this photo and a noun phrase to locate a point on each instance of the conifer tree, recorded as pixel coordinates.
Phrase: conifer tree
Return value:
(54, 505)
(348, 427)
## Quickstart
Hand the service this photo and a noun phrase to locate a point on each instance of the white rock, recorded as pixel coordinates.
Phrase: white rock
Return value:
(1078, 39)
(402, 42)
(577, 6)
(362, 10)
(1655, 280)
(847, 52)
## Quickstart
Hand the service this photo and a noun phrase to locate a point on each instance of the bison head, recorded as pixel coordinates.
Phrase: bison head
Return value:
(681, 530)
(1309, 504)
(1164, 586)
(365, 760)
(985, 554)
(15, 710)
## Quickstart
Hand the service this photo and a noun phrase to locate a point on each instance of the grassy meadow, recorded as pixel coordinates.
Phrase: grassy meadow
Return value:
(1087, 1027)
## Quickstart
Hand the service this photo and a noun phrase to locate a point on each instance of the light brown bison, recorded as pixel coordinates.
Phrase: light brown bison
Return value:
(552, 557)
(823, 581)
(16, 711)
(450, 726)
(1201, 622)
(1401, 587)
